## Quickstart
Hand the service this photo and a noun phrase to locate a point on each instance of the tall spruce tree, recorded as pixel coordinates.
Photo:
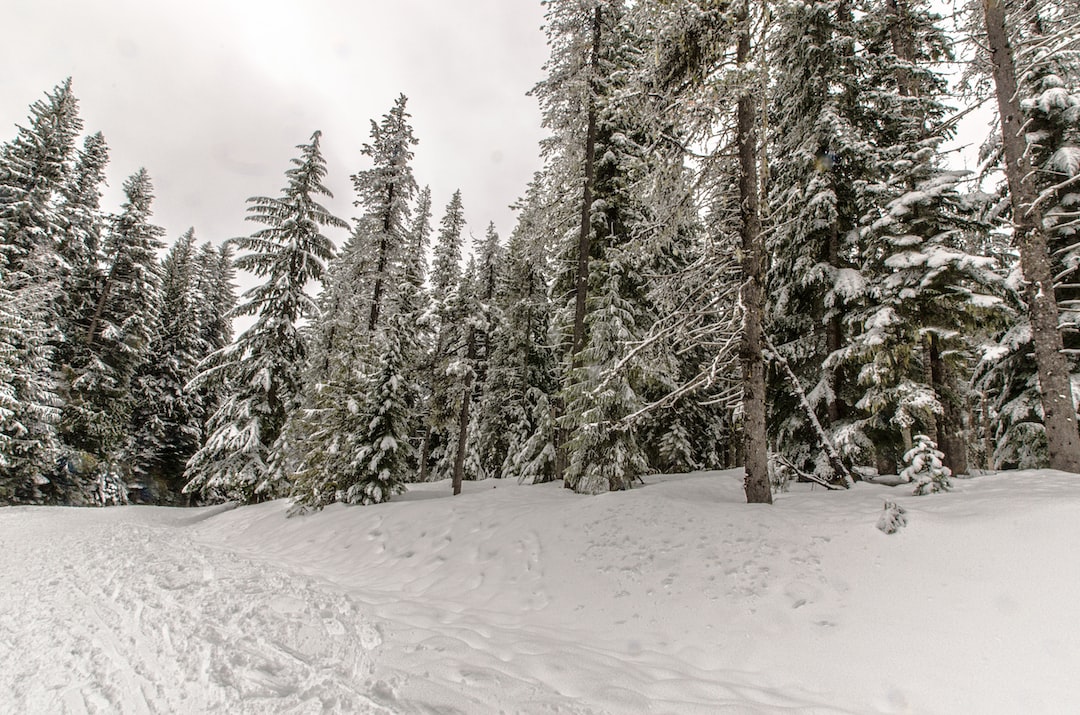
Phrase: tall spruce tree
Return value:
(263, 364)
(1031, 58)
(823, 160)
(384, 193)
(124, 322)
(35, 167)
(167, 417)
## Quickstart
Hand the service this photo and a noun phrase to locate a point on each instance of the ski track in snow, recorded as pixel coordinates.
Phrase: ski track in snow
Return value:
(131, 616)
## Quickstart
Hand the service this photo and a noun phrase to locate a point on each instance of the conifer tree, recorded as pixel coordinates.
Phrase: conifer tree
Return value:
(34, 168)
(1032, 60)
(384, 193)
(263, 364)
(84, 225)
(925, 287)
(125, 319)
(446, 264)
(167, 418)
(516, 429)
(28, 405)
(448, 336)
(378, 271)
(823, 159)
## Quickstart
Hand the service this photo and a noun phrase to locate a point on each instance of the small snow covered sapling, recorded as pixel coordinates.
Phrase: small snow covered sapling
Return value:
(892, 518)
(924, 467)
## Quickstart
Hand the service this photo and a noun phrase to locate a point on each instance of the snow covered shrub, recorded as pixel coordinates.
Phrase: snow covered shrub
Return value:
(892, 518)
(924, 467)
(781, 473)
(110, 489)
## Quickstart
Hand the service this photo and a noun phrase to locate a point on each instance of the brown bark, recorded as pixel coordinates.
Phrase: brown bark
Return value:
(383, 262)
(581, 277)
(950, 423)
(425, 454)
(463, 416)
(903, 45)
(99, 309)
(584, 248)
(1059, 413)
(756, 454)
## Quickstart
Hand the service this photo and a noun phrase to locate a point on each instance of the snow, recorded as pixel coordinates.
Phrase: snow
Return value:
(675, 597)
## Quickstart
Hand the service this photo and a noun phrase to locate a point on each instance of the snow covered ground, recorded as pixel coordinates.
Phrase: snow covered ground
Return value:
(673, 598)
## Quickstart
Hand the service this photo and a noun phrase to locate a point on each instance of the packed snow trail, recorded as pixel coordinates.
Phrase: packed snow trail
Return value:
(128, 615)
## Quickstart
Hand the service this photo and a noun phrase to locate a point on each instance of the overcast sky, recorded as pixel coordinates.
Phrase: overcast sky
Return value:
(212, 96)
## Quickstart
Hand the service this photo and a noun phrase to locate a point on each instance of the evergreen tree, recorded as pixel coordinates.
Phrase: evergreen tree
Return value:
(84, 225)
(926, 284)
(28, 406)
(449, 335)
(924, 467)
(167, 417)
(378, 273)
(384, 193)
(446, 264)
(263, 364)
(118, 336)
(823, 160)
(1049, 81)
(34, 168)
(516, 431)
(1028, 202)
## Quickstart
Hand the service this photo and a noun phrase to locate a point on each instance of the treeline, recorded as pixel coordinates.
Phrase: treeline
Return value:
(746, 246)
(98, 335)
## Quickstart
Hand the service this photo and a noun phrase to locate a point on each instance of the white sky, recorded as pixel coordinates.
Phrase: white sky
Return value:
(212, 96)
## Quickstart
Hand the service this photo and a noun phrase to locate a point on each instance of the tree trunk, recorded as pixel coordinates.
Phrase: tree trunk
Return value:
(987, 435)
(757, 486)
(463, 416)
(1055, 391)
(837, 464)
(383, 261)
(425, 454)
(950, 423)
(99, 309)
(584, 248)
(581, 278)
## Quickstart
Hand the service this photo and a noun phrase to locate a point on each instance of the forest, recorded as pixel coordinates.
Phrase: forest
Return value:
(750, 245)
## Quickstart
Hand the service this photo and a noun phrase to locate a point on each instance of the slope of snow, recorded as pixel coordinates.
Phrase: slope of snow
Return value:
(673, 598)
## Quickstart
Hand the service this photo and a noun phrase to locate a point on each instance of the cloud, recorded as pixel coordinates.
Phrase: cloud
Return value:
(212, 97)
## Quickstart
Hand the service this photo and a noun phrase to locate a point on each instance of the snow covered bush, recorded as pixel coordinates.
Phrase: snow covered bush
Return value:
(924, 467)
(892, 518)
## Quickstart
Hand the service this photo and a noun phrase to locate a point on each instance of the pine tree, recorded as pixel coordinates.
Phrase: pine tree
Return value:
(926, 285)
(126, 306)
(34, 168)
(1028, 207)
(263, 364)
(924, 467)
(446, 264)
(384, 193)
(823, 160)
(516, 418)
(449, 335)
(1048, 76)
(167, 417)
(84, 225)
(28, 406)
